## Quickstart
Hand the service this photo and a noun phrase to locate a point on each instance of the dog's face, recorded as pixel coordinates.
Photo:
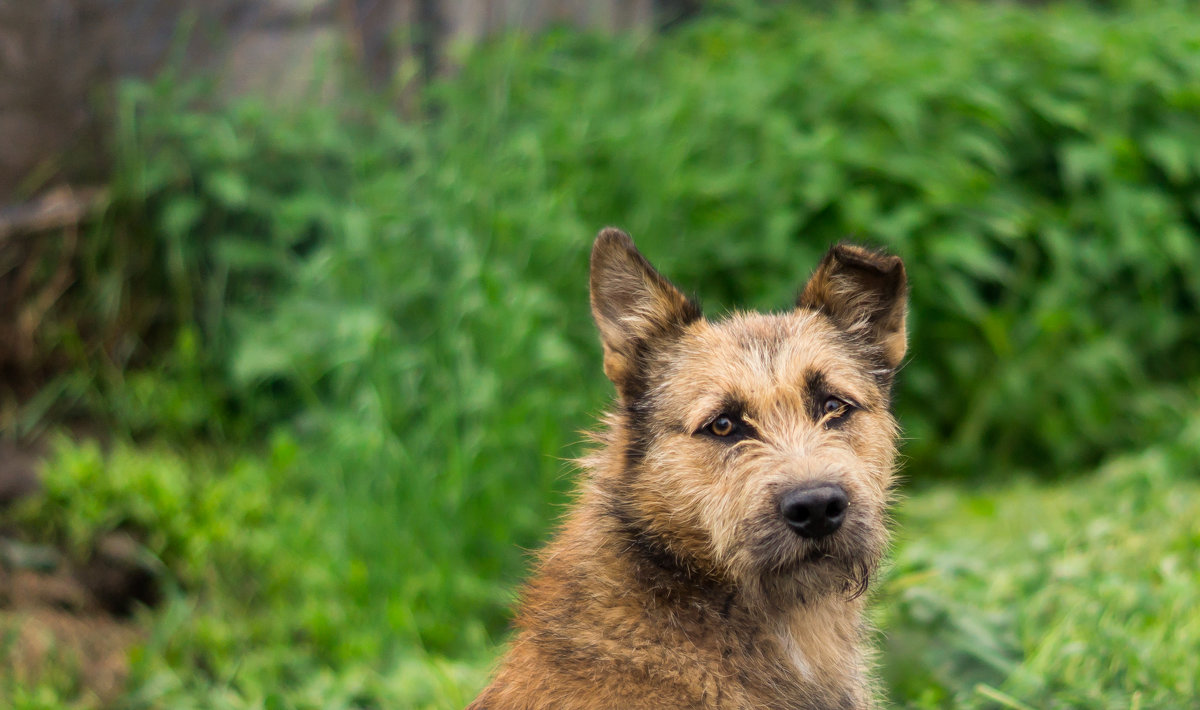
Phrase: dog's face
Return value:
(757, 449)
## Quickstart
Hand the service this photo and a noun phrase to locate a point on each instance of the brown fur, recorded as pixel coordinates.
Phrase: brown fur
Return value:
(675, 582)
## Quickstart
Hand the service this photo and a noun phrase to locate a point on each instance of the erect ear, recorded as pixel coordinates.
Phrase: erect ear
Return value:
(865, 292)
(633, 305)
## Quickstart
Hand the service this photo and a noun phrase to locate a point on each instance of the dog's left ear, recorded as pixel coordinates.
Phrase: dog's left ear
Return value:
(863, 291)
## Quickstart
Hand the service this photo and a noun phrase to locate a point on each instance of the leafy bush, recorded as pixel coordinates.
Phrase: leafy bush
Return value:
(413, 296)
(180, 508)
(1035, 167)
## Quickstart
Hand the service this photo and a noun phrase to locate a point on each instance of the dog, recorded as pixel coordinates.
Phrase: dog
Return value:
(734, 506)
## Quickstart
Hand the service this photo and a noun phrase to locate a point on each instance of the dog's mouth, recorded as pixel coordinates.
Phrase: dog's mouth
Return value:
(779, 552)
(824, 552)
(803, 572)
(786, 565)
(818, 553)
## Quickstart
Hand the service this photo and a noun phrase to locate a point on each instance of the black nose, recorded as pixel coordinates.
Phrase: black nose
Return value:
(815, 511)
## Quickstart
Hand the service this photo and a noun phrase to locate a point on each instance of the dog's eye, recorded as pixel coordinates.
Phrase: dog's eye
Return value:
(729, 428)
(723, 426)
(834, 407)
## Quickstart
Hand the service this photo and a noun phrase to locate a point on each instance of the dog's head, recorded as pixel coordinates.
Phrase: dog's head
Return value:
(757, 450)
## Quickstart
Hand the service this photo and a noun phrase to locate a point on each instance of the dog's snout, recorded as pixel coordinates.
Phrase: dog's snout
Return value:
(815, 511)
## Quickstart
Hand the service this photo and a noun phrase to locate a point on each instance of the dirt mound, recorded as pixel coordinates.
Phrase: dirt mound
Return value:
(51, 625)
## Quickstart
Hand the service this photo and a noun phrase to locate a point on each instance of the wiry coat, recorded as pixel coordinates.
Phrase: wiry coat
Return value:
(674, 581)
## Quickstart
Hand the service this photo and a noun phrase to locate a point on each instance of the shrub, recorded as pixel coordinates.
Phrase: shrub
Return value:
(408, 297)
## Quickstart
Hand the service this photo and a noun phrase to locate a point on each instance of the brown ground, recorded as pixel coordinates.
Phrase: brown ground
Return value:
(61, 618)
(18, 471)
(51, 626)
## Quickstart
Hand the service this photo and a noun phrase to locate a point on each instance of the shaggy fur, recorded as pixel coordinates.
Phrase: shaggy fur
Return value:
(674, 581)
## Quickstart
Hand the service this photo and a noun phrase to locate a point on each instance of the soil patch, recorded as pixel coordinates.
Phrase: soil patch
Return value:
(52, 626)
(61, 620)
(18, 471)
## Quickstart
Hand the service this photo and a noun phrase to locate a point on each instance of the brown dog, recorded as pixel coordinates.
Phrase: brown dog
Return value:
(734, 509)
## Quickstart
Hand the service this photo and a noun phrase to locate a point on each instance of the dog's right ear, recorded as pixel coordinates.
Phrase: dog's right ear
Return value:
(633, 304)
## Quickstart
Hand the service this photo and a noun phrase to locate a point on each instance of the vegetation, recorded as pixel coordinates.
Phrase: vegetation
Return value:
(399, 308)
(1076, 594)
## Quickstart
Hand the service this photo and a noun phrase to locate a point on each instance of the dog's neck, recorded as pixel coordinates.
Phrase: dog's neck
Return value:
(809, 646)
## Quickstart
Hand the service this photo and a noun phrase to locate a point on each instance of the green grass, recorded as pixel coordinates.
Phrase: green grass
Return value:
(1077, 594)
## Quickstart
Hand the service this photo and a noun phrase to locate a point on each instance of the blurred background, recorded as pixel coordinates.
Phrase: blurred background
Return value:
(296, 348)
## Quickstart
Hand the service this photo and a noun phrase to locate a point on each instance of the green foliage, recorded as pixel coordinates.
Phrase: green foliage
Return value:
(1036, 168)
(1077, 594)
(406, 302)
(410, 296)
(179, 508)
(59, 691)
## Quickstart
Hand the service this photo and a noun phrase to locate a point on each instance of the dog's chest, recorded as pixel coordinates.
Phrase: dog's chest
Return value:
(793, 653)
